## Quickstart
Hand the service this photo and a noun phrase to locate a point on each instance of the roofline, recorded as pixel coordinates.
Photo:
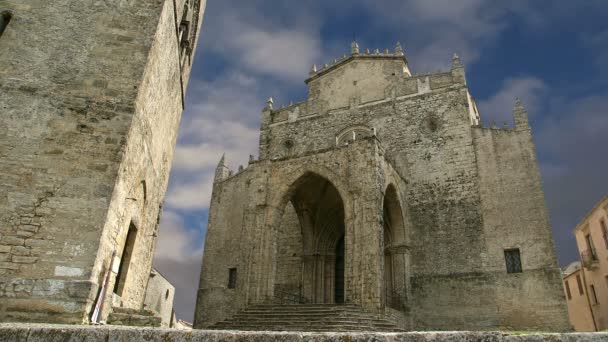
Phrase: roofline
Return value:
(597, 205)
(353, 57)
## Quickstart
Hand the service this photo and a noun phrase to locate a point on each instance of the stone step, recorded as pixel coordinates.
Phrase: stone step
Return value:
(134, 320)
(306, 317)
(131, 311)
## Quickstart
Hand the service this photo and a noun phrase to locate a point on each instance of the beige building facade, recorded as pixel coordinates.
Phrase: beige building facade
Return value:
(579, 309)
(91, 94)
(592, 242)
(382, 190)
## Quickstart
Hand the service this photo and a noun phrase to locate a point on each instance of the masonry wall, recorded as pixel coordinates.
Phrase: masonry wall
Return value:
(515, 216)
(86, 149)
(247, 211)
(159, 297)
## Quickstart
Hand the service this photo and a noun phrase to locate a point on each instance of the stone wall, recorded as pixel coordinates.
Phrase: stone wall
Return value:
(246, 213)
(92, 95)
(31, 333)
(159, 297)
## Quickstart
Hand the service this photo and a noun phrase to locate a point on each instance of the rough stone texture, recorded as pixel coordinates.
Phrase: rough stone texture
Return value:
(426, 199)
(91, 94)
(31, 333)
(159, 297)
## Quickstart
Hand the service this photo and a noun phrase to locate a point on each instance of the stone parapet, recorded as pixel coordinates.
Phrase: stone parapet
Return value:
(39, 332)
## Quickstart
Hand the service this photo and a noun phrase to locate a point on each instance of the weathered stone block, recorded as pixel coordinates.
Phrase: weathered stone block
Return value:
(5, 248)
(13, 241)
(9, 265)
(37, 243)
(20, 250)
(24, 259)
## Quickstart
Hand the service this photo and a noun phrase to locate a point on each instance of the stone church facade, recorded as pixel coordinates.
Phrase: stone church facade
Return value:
(383, 190)
(91, 93)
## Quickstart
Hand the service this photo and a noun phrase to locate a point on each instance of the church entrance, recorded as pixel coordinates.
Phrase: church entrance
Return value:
(309, 251)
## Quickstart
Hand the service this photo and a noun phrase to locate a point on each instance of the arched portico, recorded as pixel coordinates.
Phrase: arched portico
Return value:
(309, 249)
(395, 250)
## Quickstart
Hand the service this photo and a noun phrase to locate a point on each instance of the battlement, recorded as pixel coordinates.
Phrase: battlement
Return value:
(398, 54)
(411, 86)
(362, 79)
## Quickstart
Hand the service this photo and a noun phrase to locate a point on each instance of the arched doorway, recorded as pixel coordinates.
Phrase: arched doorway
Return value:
(310, 244)
(395, 251)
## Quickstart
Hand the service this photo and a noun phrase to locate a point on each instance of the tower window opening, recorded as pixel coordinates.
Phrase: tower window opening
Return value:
(5, 18)
(232, 278)
(568, 293)
(579, 283)
(593, 295)
(125, 261)
(513, 260)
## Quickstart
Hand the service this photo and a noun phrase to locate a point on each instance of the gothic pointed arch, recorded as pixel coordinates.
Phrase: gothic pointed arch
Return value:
(395, 250)
(308, 243)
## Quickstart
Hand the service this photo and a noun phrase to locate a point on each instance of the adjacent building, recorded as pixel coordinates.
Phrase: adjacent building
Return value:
(591, 311)
(159, 298)
(579, 309)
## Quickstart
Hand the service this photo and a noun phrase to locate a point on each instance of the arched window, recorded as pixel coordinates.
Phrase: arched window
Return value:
(5, 18)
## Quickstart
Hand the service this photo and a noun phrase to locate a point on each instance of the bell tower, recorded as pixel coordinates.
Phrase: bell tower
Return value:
(91, 95)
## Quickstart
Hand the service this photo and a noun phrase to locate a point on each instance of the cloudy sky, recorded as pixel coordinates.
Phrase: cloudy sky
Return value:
(551, 54)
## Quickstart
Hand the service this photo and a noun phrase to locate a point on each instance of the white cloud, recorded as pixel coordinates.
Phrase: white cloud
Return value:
(499, 107)
(175, 241)
(178, 257)
(259, 45)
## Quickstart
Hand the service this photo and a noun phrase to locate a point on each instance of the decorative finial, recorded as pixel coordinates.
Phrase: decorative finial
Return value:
(313, 70)
(335, 60)
(399, 49)
(456, 61)
(386, 51)
(222, 160)
(251, 158)
(354, 48)
(325, 66)
(376, 52)
(290, 103)
(520, 116)
(269, 103)
(241, 168)
(367, 51)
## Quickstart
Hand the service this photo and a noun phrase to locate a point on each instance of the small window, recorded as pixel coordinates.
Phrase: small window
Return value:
(232, 278)
(593, 295)
(604, 232)
(513, 260)
(5, 18)
(167, 294)
(568, 290)
(580, 285)
(591, 246)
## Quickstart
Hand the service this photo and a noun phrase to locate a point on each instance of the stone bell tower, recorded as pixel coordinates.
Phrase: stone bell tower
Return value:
(91, 94)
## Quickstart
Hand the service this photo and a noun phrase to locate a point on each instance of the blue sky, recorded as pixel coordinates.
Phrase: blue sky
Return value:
(551, 54)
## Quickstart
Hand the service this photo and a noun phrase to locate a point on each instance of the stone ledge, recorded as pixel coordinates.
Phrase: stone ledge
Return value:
(48, 332)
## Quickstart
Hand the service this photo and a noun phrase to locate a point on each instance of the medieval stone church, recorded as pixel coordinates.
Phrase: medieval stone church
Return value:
(382, 191)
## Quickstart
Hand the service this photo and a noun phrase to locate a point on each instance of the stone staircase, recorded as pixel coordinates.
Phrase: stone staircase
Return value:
(134, 317)
(306, 317)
